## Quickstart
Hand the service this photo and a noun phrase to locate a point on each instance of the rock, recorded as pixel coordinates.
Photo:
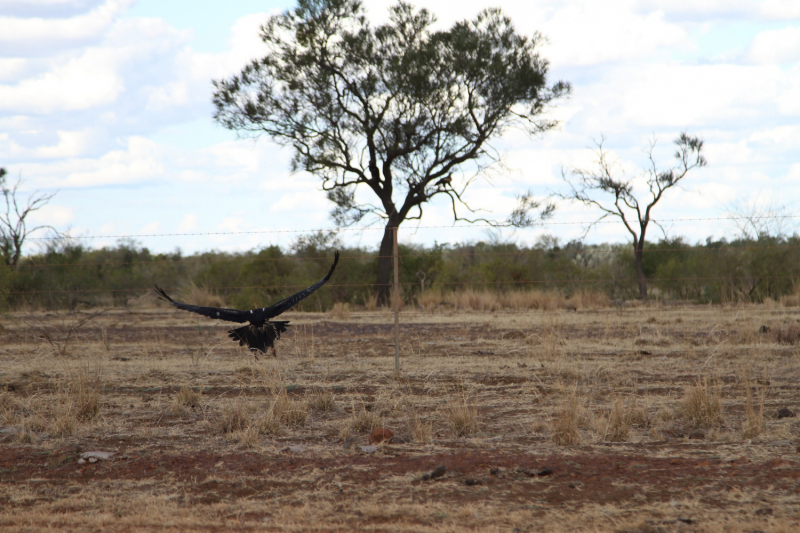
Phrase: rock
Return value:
(380, 435)
(536, 473)
(81, 461)
(368, 449)
(294, 449)
(437, 473)
(764, 511)
(97, 456)
(9, 431)
(780, 443)
(644, 352)
(785, 412)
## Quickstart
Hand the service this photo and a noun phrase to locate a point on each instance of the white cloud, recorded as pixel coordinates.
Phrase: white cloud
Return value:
(188, 223)
(10, 67)
(776, 46)
(150, 228)
(81, 83)
(589, 33)
(786, 136)
(728, 153)
(699, 9)
(70, 144)
(231, 224)
(712, 10)
(52, 215)
(780, 9)
(141, 160)
(656, 96)
(245, 45)
(26, 36)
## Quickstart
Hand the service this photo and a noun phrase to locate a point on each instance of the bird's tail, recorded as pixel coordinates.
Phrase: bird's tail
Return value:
(259, 338)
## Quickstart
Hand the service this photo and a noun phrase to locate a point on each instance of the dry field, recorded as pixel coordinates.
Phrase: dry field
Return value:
(654, 418)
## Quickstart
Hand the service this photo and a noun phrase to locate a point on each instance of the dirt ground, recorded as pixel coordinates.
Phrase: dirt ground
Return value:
(655, 418)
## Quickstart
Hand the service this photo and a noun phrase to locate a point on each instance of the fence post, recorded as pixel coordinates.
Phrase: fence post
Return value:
(396, 305)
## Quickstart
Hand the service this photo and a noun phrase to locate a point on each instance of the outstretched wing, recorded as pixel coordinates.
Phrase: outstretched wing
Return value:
(287, 303)
(220, 313)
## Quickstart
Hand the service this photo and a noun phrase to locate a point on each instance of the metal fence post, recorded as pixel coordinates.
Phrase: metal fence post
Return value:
(396, 305)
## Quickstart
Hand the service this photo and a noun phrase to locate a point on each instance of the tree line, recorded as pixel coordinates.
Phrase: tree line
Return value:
(69, 275)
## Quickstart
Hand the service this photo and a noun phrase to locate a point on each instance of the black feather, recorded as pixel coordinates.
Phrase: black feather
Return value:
(259, 338)
(261, 333)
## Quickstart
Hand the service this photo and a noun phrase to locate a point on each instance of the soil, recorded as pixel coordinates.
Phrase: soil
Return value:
(507, 475)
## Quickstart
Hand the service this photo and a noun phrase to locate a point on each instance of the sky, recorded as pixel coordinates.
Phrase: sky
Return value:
(107, 104)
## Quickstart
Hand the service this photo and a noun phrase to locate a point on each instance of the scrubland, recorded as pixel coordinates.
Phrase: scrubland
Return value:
(579, 414)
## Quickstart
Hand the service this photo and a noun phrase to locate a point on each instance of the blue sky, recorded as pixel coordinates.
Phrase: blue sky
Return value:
(107, 103)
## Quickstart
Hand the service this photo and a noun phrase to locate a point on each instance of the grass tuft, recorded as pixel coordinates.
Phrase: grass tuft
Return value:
(565, 425)
(462, 418)
(701, 406)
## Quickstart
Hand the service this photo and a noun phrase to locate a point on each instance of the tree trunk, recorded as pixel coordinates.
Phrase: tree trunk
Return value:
(385, 263)
(638, 249)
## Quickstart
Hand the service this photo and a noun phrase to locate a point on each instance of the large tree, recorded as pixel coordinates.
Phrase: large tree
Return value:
(399, 109)
(615, 196)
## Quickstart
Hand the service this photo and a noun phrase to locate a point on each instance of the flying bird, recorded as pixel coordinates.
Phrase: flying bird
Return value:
(261, 332)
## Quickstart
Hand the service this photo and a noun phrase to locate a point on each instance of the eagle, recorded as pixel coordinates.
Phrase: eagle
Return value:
(261, 332)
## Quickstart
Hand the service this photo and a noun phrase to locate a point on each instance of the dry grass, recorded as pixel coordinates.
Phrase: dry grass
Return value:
(361, 421)
(235, 417)
(291, 412)
(565, 424)
(516, 300)
(201, 296)
(789, 334)
(322, 400)
(754, 397)
(186, 397)
(421, 430)
(791, 300)
(619, 422)
(462, 417)
(701, 406)
(608, 382)
(340, 311)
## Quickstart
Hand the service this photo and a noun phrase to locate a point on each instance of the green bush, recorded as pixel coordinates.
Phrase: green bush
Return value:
(69, 275)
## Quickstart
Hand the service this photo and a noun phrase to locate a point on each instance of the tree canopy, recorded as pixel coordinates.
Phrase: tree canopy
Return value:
(399, 108)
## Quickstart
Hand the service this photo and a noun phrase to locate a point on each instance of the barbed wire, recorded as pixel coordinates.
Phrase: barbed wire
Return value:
(410, 227)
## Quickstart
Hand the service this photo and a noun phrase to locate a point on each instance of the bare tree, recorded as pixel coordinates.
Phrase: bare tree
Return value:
(755, 218)
(615, 196)
(13, 220)
(396, 110)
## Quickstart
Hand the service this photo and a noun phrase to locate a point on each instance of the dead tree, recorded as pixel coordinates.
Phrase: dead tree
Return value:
(615, 197)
